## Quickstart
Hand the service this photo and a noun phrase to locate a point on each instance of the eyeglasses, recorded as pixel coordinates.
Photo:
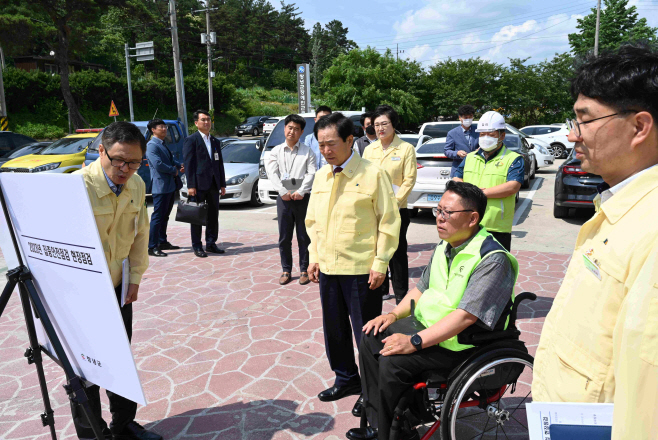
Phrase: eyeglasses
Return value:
(574, 125)
(382, 125)
(120, 163)
(445, 214)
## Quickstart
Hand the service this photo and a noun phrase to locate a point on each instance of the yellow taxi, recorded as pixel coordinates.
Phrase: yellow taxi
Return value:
(64, 156)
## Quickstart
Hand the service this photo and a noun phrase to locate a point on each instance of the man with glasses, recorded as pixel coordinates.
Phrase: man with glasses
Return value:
(498, 172)
(600, 340)
(469, 282)
(204, 170)
(117, 197)
(165, 181)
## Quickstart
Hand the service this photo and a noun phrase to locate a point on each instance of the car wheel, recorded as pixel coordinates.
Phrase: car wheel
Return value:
(533, 168)
(558, 150)
(516, 198)
(239, 135)
(255, 195)
(413, 212)
(560, 211)
(255, 132)
(526, 182)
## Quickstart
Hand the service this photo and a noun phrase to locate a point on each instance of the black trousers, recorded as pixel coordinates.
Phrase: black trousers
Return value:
(504, 238)
(384, 379)
(345, 299)
(123, 410)
(291, 214)
(399, 264)
(162, 206)
(211, 197)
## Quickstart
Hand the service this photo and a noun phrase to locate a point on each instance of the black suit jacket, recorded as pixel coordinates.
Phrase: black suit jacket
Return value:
(201, 169)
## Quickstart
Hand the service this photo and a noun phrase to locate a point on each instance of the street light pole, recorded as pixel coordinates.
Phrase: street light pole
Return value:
(598, 25)
(208, 43)
(130, 87)
(177, 64)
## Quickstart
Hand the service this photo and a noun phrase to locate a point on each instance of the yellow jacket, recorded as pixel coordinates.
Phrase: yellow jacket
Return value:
(352, 219)
(600, 340)
(399, 161)
(117, 218)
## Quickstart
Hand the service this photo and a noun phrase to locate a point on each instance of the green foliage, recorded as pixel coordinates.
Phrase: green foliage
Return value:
(39, 131)
(284, 79)
(619, 24)
(366, 78)
(325, 45)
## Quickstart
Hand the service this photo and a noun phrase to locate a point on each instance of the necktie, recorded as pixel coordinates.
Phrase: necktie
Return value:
(337, 170)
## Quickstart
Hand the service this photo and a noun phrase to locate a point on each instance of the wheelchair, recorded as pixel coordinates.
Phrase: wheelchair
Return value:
(483, 398)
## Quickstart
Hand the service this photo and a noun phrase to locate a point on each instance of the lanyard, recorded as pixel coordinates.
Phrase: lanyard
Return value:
(293, 162)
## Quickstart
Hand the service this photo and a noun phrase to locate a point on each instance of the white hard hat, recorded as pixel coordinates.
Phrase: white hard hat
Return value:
(491, 121)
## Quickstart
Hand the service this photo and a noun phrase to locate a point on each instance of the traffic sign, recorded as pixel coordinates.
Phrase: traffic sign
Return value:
(4, 123)
(113, 110)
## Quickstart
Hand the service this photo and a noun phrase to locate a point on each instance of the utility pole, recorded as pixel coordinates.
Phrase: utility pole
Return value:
(398, 51)
(598, 25)
(177, 69)
(4, 123)
(130, 87)
(209, 38)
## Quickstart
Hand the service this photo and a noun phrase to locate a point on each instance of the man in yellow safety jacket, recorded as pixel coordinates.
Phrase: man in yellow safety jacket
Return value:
(600, 339)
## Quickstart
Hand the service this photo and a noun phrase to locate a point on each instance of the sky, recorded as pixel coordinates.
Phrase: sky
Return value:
(429, 31)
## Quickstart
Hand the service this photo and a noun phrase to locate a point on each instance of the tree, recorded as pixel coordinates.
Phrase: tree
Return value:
(619, 24)
(326, 44)
(366, 78)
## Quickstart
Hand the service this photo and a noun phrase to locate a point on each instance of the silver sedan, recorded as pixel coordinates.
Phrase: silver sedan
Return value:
(433, 174)
(241, 170)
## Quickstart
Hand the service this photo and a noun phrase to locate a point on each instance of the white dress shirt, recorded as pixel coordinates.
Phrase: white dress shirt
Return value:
(206, 140)
(285, 163)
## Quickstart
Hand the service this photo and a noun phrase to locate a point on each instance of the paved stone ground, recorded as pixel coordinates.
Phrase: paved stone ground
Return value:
(224, 352)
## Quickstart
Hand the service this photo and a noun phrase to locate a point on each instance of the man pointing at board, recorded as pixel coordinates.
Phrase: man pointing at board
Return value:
(117, 197)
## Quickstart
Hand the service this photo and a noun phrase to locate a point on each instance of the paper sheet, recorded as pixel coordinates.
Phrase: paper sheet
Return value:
(396, 189)
(541, 415)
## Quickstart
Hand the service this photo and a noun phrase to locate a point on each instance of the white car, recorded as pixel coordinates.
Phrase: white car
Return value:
(439, 129)
(540, 150)
(241, 170)
(415, 139)
(433, 175)
(555, 135)
(266, 190)
(269, 124)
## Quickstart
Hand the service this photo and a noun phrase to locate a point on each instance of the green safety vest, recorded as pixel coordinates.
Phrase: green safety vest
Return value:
(499, 215)
(446, 287)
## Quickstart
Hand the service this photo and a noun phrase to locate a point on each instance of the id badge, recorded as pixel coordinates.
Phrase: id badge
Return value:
(216, 156)
(286, 176)
(592, 267)
(396, 158)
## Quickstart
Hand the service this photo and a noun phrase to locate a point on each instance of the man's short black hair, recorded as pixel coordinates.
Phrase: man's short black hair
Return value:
(200, 112)
(296, 119)
(154, 123)
(471, 196)
(389, 112)
(344, 126)
(124, 132)
(323, 109)
(466, 110)
(364, 116)
(626, 79)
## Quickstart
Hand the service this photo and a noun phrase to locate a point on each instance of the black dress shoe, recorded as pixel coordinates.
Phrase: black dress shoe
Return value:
(155, 252)
(168, 247)
(135, 431)
(368, 433)
(357, 409)
(214, 249)
(200, 253)
(335, 393)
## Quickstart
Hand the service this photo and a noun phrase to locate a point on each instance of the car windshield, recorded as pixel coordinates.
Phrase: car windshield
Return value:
(413, 140)
(439, 130)
(68, 146)
(514, 130)
(252, 120)
(241, 152)
(278, 136)
(527, 131)
(432, 148)
(513, 142)
(24, 151)
(271, 121)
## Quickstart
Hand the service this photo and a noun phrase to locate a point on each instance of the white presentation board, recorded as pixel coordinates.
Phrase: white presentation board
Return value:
(56, 230)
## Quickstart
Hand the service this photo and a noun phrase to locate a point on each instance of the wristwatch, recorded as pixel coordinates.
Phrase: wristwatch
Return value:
(417, 342)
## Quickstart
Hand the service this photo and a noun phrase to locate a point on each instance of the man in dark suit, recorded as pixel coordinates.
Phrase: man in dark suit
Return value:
(463, 139)
(165, 181)
(204, 169)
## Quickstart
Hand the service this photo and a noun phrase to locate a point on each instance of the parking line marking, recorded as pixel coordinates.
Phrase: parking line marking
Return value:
(527, 199)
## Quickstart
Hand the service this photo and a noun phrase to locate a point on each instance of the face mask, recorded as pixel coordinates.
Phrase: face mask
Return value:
(488, 143)
(370, 129)
(467, 122)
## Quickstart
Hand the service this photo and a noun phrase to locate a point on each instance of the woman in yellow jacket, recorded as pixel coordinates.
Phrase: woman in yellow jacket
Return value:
(398, 159)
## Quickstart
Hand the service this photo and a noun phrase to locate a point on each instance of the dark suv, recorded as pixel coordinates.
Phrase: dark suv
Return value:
(574, 188)
(10, 141)
(253, 125)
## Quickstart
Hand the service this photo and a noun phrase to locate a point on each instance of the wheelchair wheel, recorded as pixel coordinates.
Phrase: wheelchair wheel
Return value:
(487, 399)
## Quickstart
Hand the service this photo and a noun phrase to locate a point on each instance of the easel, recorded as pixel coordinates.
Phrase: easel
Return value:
(22, 277)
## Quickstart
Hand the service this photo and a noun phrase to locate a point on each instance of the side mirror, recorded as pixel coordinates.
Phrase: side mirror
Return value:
(532, 146)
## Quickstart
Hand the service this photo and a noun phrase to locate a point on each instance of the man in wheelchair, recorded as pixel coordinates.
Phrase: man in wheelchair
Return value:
(468, 284)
